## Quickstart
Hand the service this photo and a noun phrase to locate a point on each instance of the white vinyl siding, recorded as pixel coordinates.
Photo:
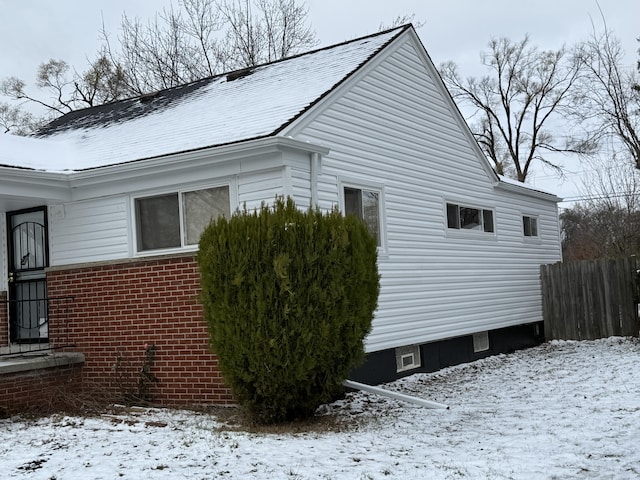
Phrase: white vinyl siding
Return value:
(89, 231)
(395, 127)
(103, 229)
(257, 187)
(390, 125)
(301, 187)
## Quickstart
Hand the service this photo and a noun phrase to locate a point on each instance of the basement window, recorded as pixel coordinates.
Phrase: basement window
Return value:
(177, 219)
(462, 217)
(480, 342)
(407, 358)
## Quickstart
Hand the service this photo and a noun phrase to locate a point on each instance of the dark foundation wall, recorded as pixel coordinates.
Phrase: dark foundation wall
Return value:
(380, 366)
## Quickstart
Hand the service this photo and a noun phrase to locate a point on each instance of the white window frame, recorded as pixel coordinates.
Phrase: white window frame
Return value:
(179, 192)
(476, 231)
(371, 187)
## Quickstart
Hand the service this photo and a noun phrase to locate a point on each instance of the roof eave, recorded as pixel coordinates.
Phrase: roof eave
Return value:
(34, 184)
(60, 186)
(526, 190)
(171, 161)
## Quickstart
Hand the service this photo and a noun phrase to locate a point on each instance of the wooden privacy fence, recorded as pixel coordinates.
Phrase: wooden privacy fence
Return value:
(587, 300)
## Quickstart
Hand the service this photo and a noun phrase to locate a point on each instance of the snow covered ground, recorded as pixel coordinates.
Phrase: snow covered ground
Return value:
(563, 410)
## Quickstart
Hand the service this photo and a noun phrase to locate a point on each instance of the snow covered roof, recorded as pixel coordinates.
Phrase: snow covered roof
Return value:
(34, 153)
(512, 184)
(220, 110)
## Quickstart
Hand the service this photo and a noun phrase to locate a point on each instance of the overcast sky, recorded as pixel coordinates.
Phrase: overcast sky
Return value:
(32, 31)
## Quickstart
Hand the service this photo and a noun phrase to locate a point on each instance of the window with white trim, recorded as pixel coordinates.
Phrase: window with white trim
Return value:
(177, 219)
(365, 205)
(463, 217)
(530, 226)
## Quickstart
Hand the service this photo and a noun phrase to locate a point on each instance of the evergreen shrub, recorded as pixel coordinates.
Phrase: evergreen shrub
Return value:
(288, 297)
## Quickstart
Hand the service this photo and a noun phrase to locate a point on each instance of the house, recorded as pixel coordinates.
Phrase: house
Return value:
(102, 213)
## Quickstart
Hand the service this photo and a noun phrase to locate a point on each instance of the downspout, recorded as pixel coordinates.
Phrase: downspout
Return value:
(315, 171)
(388, 393)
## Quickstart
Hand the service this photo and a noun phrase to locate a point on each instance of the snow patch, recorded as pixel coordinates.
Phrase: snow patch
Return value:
(561, 410)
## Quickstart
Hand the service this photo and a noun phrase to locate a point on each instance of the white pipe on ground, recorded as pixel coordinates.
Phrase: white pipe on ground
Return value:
(388, 393)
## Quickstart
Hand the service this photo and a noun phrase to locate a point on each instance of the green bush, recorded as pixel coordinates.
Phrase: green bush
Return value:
(289, 297)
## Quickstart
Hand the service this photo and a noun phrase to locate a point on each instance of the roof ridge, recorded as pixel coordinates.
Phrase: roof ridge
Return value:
(400, 29)
(335, 45)
(280, 60)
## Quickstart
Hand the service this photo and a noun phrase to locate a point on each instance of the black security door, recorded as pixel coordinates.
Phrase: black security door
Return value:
(28, 257)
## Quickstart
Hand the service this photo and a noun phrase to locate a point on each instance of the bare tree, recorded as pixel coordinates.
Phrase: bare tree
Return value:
(200, 38)
(14, 120)
(183, 43)
(584, 233)
(286, 28)
(606, 223)
(67, 90)
(607, 104)
(402, 20)
(245, 39)
(53, 76)
(175, 47)
(517, 102)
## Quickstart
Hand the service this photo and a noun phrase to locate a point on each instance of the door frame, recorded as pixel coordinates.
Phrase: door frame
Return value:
(11, 283)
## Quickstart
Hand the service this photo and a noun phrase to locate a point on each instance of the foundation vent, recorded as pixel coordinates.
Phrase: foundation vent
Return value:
(480, 342)
(407, 358)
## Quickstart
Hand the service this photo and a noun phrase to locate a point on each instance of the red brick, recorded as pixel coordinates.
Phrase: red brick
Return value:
(37, 389)
(118, 308)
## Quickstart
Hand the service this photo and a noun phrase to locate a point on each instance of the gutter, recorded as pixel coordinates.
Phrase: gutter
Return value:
(395, 395)
(22, 183)
(315, 171)
(524, 189)
(206, 155)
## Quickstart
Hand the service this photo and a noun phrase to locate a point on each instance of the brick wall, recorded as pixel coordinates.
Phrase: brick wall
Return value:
(119, 308)
(4, 320)
(38, 390)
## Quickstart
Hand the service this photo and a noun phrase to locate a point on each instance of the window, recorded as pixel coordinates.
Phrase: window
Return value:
(530, 226)
(200, 207)
(365, 205)
(469, 218)
(407, 358)
(175, 220)
(158, 222)
(480, 342)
